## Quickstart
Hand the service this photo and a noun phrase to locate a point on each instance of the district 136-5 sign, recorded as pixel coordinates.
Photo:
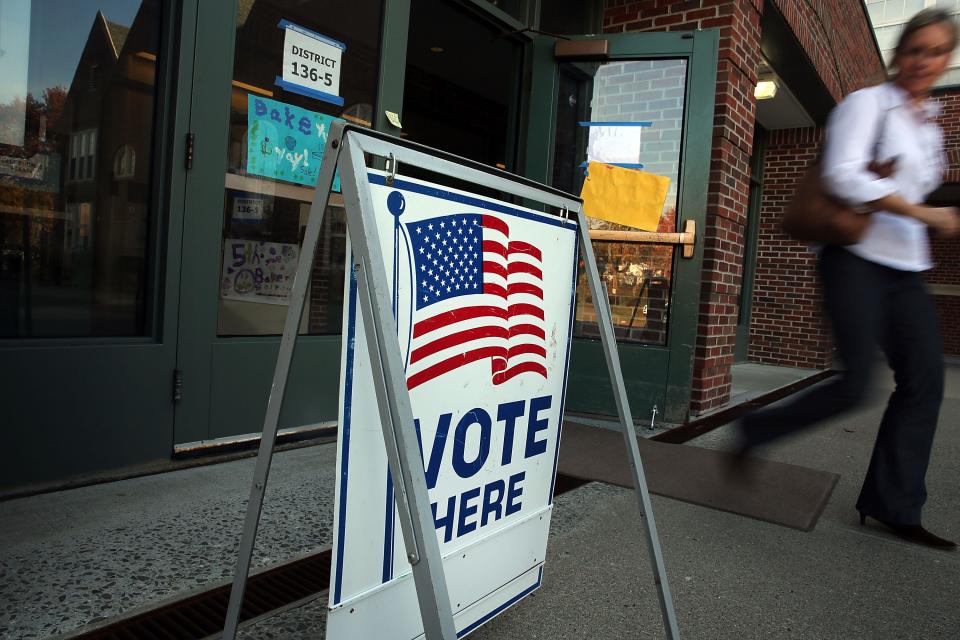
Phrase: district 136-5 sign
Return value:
(483, 297)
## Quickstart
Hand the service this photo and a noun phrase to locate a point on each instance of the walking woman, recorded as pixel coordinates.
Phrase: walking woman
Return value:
(874, 290)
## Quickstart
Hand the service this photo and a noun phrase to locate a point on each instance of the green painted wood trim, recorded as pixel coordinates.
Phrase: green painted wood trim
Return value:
(540, 115)
(696, 154)
(163, 268)
(203, 214)
(393, 64)
(589, 389)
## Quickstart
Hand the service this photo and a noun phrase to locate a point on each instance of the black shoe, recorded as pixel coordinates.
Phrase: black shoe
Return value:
(915, 533)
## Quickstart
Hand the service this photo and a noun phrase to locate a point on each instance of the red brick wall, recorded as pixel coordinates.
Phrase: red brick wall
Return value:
(838, 38)
(786, 326)
(950, 123)
(946, 253)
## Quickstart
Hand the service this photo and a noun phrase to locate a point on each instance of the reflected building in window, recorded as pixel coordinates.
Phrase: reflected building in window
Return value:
(76, 228)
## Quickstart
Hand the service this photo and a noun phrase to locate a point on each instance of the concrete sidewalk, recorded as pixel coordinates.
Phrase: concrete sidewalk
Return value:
(72, 557)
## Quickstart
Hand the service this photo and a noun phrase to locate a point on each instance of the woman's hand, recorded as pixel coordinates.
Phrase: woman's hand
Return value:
(944, 220)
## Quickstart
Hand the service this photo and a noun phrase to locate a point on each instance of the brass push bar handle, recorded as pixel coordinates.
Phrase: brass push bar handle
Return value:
(687, 238)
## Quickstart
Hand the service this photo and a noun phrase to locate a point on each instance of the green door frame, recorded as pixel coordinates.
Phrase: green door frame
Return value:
(76, 406)
(206, 411)
(669, 385)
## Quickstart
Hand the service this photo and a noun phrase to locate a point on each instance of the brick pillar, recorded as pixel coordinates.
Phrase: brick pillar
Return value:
(787, 326)
(944, 278)
(739, 25)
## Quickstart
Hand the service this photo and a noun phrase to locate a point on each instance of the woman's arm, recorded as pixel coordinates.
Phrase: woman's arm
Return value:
(851, 138)
(944, 220)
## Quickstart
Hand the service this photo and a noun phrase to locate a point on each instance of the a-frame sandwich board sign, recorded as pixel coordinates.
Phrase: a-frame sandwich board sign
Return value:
(428, 341)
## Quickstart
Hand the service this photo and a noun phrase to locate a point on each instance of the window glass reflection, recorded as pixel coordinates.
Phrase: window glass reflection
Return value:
(77, 104)
(277, 136)
(638, 275)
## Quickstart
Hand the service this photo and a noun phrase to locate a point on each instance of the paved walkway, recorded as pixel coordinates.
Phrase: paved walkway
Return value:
(72, 557)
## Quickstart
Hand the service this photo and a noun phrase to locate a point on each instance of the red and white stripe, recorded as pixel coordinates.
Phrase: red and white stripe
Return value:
(504, 323)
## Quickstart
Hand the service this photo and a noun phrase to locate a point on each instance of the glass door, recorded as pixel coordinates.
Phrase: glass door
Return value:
(86, 340)
(661, 86)
(272, 77)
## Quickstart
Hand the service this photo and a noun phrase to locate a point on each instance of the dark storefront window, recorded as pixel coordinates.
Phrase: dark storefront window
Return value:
(462, 84)
(273, 162)
(569, 17)
(77, 109)
(514, 8)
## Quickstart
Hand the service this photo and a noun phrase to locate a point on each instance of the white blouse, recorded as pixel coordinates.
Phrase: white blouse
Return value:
(910, 135)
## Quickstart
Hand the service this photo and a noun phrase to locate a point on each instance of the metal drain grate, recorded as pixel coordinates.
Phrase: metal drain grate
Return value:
(202, 615)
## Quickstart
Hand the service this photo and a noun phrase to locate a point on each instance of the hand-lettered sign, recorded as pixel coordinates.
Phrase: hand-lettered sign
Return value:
(311, 63)
(483, 298)
(285, 142)
(257, 271)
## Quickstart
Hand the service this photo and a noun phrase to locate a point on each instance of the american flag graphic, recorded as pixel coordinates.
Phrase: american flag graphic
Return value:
(479, 296)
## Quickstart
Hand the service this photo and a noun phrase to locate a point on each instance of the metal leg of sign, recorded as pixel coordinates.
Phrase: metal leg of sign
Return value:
(602, 306)
(393, 398)
(298, 298)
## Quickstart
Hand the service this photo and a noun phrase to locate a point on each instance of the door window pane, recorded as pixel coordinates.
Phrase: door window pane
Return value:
(77, 84)
(638, 275)
(280, 110)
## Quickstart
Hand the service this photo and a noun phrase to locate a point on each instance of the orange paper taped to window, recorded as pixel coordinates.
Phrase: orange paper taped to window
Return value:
(624, 196)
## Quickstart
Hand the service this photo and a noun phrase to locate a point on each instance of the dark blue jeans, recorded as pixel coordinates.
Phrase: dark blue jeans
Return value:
(869, 304)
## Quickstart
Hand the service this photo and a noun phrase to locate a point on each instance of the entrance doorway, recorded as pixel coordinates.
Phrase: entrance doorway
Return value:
(461, 93)
(663, 83)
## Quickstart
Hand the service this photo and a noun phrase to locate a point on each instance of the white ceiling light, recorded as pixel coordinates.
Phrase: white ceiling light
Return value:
(765, 90)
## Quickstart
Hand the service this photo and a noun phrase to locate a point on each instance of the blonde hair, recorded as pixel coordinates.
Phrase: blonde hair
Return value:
(926, 18)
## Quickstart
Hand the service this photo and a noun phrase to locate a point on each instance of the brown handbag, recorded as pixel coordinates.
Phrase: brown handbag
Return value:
(817, 217)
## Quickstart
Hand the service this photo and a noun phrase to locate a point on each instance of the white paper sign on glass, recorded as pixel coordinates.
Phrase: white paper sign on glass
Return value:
(615, 142)
(311, 63)
(483, 297)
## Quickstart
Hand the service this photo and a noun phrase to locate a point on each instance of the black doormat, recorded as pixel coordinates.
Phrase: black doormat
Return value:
(783, 494)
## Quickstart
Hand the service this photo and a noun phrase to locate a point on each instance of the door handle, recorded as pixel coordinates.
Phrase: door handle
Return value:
(686, 238)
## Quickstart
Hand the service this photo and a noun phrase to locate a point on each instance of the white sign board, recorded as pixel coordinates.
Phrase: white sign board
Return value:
(483, 297)
(311, 63)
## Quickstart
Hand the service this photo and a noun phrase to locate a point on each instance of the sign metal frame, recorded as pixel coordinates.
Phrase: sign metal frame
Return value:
(347, 147)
